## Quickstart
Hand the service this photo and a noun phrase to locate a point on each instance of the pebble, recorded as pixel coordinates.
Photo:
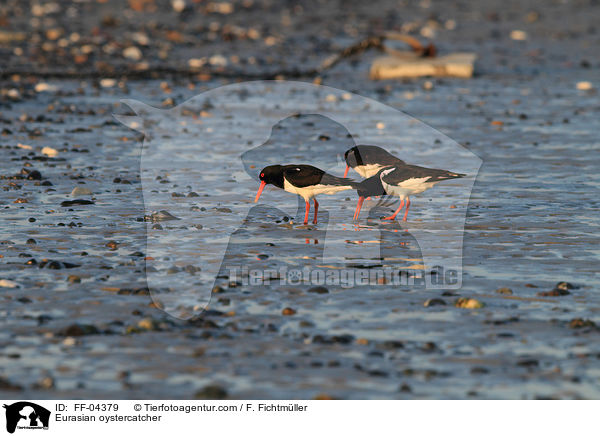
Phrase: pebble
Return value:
(133, 53)
(80, 191)
(148, 324)
(43, 87)
(45, 383)
(434, 302)
(69, 341)
(468, 303)
(560, 289)
(74, 279)
(8, 284)
(34, 175)
(288, 311)
(162, 215)
(578, 323)
(319, 290)
(108, 83)
(113, 245)
(211, 392)
(77, 202)
(584, 86)
(79, 330)
(518, 35)
(504, 291)
(49, 151)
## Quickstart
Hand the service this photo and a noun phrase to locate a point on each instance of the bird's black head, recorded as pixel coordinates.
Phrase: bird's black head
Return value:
(352, 157)
(273, 175)
(370, 187)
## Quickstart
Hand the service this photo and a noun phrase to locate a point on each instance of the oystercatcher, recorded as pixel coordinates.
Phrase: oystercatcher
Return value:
(368, 160)
(305, 180)
(401, 181)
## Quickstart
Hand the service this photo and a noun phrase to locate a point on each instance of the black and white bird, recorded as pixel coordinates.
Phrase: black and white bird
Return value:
(305, 180)
(368, 160)
(401, 181)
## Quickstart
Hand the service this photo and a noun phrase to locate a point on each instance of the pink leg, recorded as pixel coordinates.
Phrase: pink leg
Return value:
(306, 212)
(407, 206)
(395, 213)
(316, 209)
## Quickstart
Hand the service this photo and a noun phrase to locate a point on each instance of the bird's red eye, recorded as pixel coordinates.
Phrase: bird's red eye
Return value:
(262, 175)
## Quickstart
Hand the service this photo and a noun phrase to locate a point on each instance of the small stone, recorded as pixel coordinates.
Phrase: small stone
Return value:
(504, 291)
(107, 83)
(319, 290)
(584, 86)
(563, 286)
(528, 362)
(133, 53)
(69, 341)
(518, 35)
(49, 151)
(578, 323)
(8, 284)
(77, 202)
(434, 302)
(162, 215)
(45, 383)
(31, 241)
(211, 392)
(34, 175)
(468, 303)
(288, 311)
(405, 388)
(74, 279)
(556, 292)
(113, 245)
(80, 191)
(148, 324)
(79, 330)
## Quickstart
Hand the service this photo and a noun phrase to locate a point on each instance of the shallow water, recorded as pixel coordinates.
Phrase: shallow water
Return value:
(532, 221)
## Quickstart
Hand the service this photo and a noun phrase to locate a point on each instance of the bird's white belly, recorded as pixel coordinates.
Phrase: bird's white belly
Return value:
(367, 171)
(311, 191)
(409, 187)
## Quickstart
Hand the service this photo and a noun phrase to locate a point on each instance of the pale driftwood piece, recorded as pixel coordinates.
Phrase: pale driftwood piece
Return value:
(408, 64)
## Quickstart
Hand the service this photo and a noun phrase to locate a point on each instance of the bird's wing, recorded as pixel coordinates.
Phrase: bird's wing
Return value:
(399, 174)
(373, 154)
(302, 176)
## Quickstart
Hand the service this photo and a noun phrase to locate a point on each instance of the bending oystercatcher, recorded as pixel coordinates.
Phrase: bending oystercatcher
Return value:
(368, 160)
(401, 181)
(305, 180)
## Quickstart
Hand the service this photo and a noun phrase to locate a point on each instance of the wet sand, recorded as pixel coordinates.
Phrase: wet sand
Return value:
(84, 325)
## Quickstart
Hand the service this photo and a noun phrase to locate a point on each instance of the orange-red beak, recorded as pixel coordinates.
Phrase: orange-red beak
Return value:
(260, 190)
(358, 206)
(346, 172)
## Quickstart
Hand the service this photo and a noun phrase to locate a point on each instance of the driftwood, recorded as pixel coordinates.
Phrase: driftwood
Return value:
(408, 64)
(421, 61)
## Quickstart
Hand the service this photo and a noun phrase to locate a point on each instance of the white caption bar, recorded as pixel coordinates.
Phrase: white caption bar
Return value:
(298, 417)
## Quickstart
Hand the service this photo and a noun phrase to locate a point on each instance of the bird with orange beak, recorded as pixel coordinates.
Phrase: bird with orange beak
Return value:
(305, 180)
